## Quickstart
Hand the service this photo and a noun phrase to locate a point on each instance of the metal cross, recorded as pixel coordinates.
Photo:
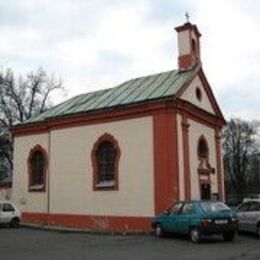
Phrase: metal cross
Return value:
(187, 16)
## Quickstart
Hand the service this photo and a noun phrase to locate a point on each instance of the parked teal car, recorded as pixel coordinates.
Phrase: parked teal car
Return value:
(197, 219)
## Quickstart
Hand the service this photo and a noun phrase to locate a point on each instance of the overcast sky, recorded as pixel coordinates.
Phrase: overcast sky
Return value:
(94, 44)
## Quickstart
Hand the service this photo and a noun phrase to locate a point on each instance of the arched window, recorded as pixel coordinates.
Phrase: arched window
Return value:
(105, 159)
(193, 46)
(203, 150)
(204, 169)
(37, 166)
(106, 155)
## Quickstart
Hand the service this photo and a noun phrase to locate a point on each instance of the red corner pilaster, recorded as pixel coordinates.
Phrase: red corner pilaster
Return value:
(219, 167)
(186, 157)
(166, 173)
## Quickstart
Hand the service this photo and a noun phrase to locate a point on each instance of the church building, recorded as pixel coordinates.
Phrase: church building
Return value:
(113, 158)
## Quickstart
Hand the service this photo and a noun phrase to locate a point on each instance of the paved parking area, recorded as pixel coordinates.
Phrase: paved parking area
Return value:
(27, 244)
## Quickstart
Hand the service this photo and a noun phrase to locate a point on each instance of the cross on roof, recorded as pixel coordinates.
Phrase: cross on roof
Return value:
(187, 16)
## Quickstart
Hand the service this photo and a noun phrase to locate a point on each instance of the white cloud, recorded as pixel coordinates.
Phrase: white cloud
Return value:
(93, 45)
(123, 31)
(233, 38)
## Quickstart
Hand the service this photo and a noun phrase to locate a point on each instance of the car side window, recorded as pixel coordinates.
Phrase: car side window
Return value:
(188, 208)
(176, 208)
(255, 206)
(244, 207)
(7, 207)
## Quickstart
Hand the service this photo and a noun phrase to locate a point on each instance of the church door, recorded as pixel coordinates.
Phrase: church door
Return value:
(205, 191)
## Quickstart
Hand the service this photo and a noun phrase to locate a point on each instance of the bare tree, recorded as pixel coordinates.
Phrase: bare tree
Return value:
(21, 99)
(239, 140)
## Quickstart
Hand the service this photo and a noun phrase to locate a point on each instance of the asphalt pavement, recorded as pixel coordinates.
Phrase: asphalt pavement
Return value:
(34, 244)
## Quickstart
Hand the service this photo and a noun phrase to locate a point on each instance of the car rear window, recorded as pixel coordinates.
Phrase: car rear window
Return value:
(7, 207)
(214, 206)
(244, 206)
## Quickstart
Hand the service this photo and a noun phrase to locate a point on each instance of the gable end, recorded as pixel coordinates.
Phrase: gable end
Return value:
(198, 92)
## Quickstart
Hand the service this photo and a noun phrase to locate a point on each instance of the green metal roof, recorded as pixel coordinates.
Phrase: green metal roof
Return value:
(152, 87)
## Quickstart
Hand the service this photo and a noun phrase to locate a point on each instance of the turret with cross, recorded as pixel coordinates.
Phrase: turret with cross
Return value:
(188, 45)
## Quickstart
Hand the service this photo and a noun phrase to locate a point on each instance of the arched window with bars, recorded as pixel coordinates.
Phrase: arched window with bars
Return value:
(37, 167)
(105, 160)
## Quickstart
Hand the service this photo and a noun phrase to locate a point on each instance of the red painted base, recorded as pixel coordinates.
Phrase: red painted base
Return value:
(105, 223)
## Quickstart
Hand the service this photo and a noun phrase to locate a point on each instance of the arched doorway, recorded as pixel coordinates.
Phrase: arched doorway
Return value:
(204, 169)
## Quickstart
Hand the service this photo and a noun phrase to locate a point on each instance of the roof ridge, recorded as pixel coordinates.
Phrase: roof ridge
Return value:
(154, 74)
(128, 81)
(116, 86)
(132, 79)
(139, 89)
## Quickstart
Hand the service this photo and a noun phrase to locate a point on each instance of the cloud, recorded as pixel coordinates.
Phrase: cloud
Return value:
(230, 52)
(233, 38)
(94, 45)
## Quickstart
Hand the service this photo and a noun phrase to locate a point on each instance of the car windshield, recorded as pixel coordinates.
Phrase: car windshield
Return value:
(214, 206)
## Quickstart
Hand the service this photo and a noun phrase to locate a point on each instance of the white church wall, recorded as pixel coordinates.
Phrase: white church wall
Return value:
(25, 200)
(190, 95)
(184, 43)
(5, 193)
(72, 173)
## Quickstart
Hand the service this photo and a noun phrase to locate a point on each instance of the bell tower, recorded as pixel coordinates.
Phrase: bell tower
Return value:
(188, 46)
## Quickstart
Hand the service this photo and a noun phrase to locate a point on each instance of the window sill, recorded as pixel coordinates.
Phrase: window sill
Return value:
(37, 188)
(108, 185)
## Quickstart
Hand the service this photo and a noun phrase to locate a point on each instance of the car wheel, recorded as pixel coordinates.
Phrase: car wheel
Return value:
(158, 231)
(15, 223)
(195, 235)
(229, 236)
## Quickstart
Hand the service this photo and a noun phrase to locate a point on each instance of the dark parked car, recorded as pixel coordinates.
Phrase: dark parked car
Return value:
(249, 216)
(197, 218)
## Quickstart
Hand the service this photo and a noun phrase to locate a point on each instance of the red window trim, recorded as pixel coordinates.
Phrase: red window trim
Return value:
(5, 186)
(202, 139)
(37, 148)
(110, 138)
